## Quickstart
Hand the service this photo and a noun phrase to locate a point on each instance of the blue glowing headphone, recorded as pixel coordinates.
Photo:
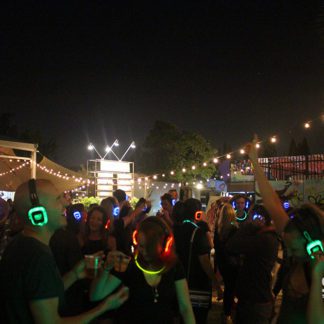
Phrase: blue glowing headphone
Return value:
(116, 210)
(37, 214)
(286, 204)
(246, 207)
(77, 215)
(257, 216)
(247, 203)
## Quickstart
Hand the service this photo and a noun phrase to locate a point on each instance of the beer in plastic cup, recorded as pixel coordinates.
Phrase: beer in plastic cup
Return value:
(92, 263)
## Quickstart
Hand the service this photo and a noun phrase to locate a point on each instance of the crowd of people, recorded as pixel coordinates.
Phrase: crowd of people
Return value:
(159, 268)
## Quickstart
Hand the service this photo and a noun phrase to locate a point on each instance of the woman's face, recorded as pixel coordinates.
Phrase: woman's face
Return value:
(166, 205)
(144, 251)
(96, 221)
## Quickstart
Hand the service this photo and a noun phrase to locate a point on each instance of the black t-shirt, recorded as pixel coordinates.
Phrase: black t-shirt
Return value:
(27, 272)
(203, 226)
(93, 246)
(123, 236)
(223, 259)
(140, 307)
(66, 250)
(67, 253)
(198, 279)
(260, 250)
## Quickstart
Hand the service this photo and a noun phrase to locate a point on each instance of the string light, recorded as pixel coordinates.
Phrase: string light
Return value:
(273, 139)
(19, 167)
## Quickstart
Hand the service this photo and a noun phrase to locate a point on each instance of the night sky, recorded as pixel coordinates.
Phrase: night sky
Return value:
(94, 71)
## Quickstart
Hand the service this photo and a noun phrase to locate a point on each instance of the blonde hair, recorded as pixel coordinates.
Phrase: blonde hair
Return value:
(226, 218)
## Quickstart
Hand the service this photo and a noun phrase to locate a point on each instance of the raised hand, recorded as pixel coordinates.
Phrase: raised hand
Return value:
(250, 149)
(117, 260)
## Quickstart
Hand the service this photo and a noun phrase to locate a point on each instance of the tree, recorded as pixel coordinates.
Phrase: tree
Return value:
(303, 147)
(168, 148)
(292, 147)
(268, 150)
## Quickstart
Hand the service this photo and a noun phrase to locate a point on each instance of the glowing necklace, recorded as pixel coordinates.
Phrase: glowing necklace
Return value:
(241, 219)
(147, 271)
(189, 221)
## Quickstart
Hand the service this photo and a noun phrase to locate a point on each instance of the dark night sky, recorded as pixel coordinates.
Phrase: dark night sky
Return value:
(85, 71)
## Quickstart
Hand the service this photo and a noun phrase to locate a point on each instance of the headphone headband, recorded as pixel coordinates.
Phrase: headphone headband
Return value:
(33, 192)
(168, 239)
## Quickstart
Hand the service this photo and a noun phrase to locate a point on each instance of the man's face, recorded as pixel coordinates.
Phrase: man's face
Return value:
(55, 205)
(240, 203)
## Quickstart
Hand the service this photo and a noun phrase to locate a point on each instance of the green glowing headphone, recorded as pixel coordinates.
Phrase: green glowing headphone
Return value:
(312, 246)
(37, 214)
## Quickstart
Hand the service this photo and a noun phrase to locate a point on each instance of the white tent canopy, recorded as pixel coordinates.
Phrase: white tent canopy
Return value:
(15, 170)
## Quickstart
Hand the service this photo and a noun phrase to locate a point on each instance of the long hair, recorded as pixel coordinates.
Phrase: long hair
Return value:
(156, 231)
(108, 204)
(226, 219)
(308, 217)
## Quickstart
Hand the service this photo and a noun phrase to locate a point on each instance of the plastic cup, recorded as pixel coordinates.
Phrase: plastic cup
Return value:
(92, 263)
(121, 262)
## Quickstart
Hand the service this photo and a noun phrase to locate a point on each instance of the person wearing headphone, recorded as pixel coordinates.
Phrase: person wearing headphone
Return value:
(303, 235)
(32, 290)
(241, 205)
(154, 276)
(258, 244)
(193, 250)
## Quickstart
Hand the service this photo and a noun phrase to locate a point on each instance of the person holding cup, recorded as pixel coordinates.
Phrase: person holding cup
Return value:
(32, 289)
(155, 277)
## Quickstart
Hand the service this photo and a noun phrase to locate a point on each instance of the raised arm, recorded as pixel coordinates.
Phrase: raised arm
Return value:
(270, 199)
(315, 310)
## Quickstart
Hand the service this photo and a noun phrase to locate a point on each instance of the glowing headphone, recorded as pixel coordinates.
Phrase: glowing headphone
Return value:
(312, 246)
(257, 216)
(77, 215)
(168, 240)
(247, 203)
(37, 214)
(246, 207)
(198, 215)
(286, 204)
(116, 210)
